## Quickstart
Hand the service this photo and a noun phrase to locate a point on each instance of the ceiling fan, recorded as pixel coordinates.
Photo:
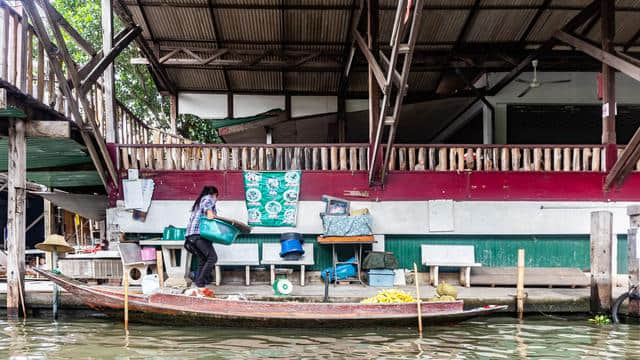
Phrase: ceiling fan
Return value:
(535, 83)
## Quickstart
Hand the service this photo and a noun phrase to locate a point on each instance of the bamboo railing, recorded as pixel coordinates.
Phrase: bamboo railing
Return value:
(33, 75)
(333, 157)
(497, 158)
(354, 157)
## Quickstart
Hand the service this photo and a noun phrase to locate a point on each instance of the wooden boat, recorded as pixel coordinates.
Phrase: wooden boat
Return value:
(180, 309)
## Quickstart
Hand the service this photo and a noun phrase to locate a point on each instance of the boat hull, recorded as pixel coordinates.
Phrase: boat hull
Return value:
(188, 310)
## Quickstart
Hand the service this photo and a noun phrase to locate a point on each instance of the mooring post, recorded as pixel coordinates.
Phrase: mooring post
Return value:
(601, 261)
(520, 285)
(16, 215)
(634, 254)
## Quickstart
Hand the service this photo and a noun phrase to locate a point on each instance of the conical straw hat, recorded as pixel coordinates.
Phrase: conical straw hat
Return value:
(54, 243)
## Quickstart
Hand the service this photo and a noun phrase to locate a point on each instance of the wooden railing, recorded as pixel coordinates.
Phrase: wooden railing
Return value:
(497, 158)
(36, 78)
(335, 157)
(354, 157)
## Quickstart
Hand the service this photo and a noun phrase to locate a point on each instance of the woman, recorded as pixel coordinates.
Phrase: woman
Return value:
(205, 205)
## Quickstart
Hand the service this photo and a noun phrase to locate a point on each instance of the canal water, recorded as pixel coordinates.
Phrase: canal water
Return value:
(489, 338)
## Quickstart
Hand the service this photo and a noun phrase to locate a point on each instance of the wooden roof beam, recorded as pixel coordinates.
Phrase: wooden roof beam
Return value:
(587, 13)
(216, 34)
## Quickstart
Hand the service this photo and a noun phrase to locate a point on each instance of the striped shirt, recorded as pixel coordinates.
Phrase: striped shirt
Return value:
(208, 202)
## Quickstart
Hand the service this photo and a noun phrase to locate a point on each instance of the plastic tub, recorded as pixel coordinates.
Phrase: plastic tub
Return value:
(148, 253)
(381, 277)
(173, 233)
(218, 231)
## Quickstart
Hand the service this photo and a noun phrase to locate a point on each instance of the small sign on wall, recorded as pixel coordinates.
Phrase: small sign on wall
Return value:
(441, 215)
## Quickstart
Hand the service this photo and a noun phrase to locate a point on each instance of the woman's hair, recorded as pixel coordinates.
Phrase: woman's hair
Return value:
(207, 190)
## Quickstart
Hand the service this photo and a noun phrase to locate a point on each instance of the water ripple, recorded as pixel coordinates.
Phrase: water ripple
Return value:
(491, 338)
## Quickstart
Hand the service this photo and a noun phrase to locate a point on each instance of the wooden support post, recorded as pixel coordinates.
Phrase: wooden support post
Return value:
(173, 100)
(16, 215)
(607, 16)
(601, 261)
(374, 90)
(160, 266)
(634, 256)
(520, 284)
(108, 76)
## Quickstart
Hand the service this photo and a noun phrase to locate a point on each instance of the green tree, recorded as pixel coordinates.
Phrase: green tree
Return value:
(133, 85)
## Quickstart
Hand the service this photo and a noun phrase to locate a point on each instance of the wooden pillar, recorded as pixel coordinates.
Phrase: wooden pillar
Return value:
(607, 12)
(634, 255)
(108, 75)
(374, 91)
(16, 215)
(342, 121)
(230, 105)
(173, 100)
(602, 243)
(487, 124)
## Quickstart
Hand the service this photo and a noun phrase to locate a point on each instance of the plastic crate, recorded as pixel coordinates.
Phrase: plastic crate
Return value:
(381, 277)
(148, 253)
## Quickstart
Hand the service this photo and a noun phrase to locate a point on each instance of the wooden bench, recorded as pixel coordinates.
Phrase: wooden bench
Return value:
(533, 276)
(236, 255)
(132, 260)
(462, 256)
(271, 256)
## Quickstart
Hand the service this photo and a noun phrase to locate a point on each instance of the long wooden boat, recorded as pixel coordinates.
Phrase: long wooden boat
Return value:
(181, 310)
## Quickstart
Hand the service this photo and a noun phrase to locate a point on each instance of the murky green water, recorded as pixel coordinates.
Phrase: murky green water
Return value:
(490, 338)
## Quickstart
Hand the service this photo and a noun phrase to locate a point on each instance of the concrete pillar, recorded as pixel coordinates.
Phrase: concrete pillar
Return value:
(500, 124)
(634, 254)
(602, 251)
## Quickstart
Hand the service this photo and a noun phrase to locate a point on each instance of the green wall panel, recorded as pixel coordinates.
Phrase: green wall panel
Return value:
(494, 251)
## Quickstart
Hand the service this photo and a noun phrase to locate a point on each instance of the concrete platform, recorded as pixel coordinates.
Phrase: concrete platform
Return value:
(556, 300)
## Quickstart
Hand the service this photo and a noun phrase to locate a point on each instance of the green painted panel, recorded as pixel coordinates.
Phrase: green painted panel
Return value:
(47, 153)
(61, 179)
(623, 255)
(494, 251)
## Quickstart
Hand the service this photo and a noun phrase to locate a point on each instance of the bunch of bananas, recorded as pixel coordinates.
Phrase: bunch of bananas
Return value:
(390, 296)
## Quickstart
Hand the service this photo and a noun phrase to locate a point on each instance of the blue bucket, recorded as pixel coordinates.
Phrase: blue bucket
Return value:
(291, 244)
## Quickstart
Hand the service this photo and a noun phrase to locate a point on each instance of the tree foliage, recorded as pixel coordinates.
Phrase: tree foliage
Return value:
(134, 85)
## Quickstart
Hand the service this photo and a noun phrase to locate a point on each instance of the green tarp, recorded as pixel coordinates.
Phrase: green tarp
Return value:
(272, 197)
(220, 123)
(47, 153)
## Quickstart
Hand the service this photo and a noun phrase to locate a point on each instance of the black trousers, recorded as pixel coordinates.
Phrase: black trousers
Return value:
(206, 254)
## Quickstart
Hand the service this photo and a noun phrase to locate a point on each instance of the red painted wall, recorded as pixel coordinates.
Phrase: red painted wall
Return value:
(497, 186)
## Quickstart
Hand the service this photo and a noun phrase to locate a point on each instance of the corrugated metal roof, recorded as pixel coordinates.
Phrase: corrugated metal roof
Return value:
(323, 26)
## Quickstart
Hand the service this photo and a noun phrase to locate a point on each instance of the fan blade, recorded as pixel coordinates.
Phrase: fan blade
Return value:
(525, 91)
(555, 81)
(523, 81)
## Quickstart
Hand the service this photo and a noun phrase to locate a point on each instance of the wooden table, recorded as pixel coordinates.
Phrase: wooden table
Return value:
(177, 274)
(355, 241)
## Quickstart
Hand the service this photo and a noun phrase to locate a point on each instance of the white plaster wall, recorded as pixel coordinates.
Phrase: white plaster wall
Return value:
(353, 105)
(406, 217)
(249, 105)
(312, 105)
(581, 90)
(207, 106)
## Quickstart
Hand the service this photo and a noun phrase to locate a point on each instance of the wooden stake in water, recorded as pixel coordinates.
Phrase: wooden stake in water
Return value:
(520, 284)
(160, 266)
(418, 301)
(125, 283)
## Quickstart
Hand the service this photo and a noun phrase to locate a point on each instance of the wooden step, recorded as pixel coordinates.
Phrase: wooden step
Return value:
(547, 277)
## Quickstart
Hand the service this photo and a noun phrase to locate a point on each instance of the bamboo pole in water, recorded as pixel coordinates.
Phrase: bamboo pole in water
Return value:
(418, 301)
(125, 283)
(520, 284)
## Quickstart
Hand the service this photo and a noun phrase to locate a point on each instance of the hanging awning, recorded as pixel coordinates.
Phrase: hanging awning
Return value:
(92, 207)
